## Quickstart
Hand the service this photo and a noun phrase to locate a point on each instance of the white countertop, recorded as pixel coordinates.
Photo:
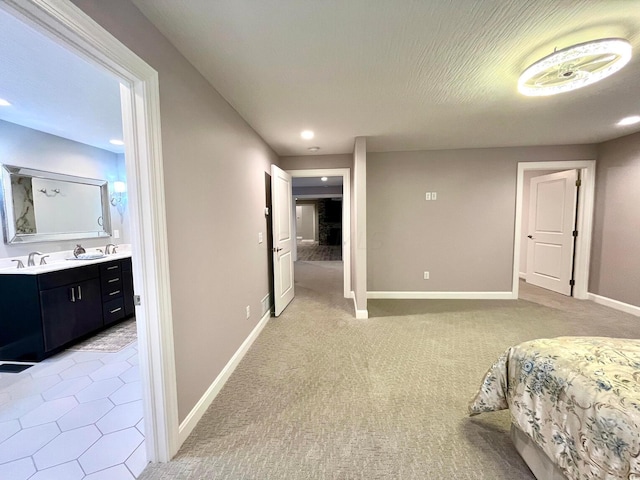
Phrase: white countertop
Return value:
(59, 261)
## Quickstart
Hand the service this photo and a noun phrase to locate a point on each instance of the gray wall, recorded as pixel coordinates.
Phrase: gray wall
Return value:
(214, 171)
(312, 162)
(464, 238)
(25, 147)
(615, 251)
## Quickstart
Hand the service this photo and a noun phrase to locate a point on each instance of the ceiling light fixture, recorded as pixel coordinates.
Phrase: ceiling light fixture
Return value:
(575, 67)
(324, 179)
(116, 142)
(313, 149)
(629, 120)
(4, 103)
(307, 134)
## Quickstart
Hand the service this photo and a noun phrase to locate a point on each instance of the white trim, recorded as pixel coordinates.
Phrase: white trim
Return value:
(615, 304)
(585, 219)
(522, 275)
(345, 173)
(442, 295)
(194, 416)
(360, 314)
(66, 24)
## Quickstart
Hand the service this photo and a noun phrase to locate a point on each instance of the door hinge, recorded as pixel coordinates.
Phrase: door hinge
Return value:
(572, 282)
(578, 183)
(136, 300)
(575, 233)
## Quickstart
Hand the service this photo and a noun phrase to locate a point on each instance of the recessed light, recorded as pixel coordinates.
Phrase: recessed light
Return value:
(324, 179)
(116, 142)
(307, 134)
(629, 120)
(313, 149)
(4, 103)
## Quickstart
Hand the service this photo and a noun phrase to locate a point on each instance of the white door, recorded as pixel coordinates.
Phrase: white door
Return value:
(552, 213)
(283, 237)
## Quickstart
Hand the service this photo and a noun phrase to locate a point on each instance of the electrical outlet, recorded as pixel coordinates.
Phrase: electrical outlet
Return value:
(426, 275)
(259, 237)
(427, 196)
(248, 311)
(434, 195)
(116, 234)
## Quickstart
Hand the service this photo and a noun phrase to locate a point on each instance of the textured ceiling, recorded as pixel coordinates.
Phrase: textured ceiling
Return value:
(55, 91)
(407, 74)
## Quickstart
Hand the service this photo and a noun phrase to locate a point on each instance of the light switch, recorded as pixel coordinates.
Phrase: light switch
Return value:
(434, 195)
(427, 196)
(259, 237)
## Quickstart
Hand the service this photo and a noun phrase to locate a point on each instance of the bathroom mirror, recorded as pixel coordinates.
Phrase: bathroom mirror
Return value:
(39, 206)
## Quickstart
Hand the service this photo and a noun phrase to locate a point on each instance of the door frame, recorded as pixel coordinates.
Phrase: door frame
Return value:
(586, 196)
(345, 173)
(67, 25)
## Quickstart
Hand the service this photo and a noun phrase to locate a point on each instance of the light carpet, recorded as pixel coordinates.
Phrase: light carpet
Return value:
(321, 395)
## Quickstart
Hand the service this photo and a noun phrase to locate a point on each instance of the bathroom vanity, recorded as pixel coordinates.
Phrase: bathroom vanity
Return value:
(46, 309)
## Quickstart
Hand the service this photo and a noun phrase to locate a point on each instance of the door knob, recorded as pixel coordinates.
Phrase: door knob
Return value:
(276, 249)
(530, 236)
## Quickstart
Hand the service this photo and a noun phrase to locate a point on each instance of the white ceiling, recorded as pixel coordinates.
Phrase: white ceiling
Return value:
(407, 74)
(55, 91)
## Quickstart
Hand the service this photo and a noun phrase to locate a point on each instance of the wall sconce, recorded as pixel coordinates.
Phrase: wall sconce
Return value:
(118, 189)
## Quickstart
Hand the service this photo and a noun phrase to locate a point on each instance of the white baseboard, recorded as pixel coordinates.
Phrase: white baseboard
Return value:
(189, 423)
(442, 295)
(615, 304)
(522, 275)
(360, 314)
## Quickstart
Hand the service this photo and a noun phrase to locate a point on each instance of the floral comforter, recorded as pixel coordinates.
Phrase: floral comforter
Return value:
(578, 398)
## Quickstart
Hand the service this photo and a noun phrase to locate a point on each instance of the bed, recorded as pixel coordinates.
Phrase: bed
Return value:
(574, 405)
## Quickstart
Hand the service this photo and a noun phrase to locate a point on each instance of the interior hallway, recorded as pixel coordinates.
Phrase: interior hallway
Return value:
(321, 395)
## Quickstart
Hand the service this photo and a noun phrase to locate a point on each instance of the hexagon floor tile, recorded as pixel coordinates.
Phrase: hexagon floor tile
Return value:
(77, 416)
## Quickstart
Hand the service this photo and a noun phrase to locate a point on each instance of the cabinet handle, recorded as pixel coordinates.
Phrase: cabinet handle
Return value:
(79, 293)
(116, 310)
(113, 280)
(114, 267)
(114, 293)
(73, 295)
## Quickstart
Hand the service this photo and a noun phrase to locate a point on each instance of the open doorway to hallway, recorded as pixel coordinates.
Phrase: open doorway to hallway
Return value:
(318, 218)
(322, 218)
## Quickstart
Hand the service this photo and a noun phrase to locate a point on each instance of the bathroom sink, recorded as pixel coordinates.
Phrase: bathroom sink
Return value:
(88, 256)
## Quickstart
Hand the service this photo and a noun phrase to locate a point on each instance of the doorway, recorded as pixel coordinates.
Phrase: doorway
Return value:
(65, 24)
(584, 215)
(335, 233)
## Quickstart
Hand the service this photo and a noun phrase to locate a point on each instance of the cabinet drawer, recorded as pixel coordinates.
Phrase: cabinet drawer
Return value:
(110, 269)
(114, 291)
(113, 311)
(110, 285)
(68, 276)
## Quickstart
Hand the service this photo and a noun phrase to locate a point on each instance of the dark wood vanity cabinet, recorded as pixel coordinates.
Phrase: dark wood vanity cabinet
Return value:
(41, 314)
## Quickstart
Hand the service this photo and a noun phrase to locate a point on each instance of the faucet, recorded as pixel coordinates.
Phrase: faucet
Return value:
(30, 260)
(107, 249)
(20, 264)
(42, 260)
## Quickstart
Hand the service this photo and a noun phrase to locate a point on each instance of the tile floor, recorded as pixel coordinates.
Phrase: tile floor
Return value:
(77, 415)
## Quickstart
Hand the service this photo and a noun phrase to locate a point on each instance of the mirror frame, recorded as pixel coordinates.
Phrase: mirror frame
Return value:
(11, 237)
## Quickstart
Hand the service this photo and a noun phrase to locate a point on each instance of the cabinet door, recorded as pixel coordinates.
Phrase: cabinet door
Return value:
(70, 312)
(58, 316)
(88, 307)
